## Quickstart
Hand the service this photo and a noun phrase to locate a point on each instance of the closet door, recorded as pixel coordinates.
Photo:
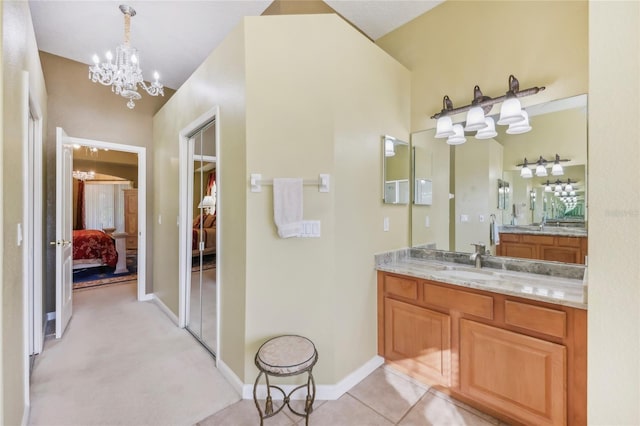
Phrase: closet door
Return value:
(201, 300)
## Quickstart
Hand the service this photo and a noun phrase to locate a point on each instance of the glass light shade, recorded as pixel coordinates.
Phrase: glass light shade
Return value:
(510, 111)
(389, 148)
(557, 169)
(475, 119)
(568, 187)
(557, 194)
(564, 193)
(208, 203)
(541, 170)
(547, 188)
(489, 131)
(572, 193)
(444, 127)
(521, 126)
(558, 187)
(458, 137)
(526, 172)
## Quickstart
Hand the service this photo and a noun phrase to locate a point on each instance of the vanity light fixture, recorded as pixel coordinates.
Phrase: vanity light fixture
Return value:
(568, 187)
(489, 131)
(458, 136)
(541, 169)
(525, 172)
(557, 170)
(510, 111)
(547, 187)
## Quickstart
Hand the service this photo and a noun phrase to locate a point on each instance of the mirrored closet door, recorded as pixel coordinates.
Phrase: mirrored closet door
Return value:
(201, 291)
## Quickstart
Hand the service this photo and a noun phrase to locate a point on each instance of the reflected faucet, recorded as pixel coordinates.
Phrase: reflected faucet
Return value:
(543, 222)
(477, 256)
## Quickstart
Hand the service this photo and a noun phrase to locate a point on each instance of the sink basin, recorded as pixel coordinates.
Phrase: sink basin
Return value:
(469, 275)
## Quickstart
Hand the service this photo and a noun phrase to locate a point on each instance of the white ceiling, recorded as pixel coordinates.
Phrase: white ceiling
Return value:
(174, 37)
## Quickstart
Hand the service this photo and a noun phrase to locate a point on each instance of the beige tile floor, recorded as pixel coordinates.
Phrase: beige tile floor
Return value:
(386, 397)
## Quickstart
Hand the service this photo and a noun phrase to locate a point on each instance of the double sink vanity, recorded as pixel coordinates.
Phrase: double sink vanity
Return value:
(508, 338)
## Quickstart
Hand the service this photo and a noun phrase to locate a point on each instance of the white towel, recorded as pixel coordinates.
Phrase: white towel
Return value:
(287, 206)
(496, 234)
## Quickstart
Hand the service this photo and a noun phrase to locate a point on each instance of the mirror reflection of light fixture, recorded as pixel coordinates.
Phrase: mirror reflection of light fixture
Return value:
(389, 147)
(510, 111)
(568, 187)
(458, 137)
(82, 175)
(541, 170)
(547, 187)
(557, 170)
(208, 203)
(525, 172)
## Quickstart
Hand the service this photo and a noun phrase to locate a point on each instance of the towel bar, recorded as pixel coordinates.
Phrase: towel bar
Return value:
(256, 182)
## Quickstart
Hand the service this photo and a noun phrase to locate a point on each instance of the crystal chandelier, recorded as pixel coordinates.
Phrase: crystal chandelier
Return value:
(82, 175)
(125, 74)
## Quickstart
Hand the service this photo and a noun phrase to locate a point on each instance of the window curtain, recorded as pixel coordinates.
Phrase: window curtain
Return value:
(212, 180)
(80, 215)
(104, 205)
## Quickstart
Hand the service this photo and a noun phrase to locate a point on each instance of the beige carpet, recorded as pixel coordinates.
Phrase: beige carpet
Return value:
(123, 362)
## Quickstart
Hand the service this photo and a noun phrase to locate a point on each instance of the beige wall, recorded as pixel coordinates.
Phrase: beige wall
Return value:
(614, 215)
(219, 81)
(459, 44)
(19, 54)
(89, 110)
(308, 111)
(320, 105)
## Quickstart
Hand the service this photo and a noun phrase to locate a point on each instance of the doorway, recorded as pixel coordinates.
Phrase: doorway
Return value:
(199, 225)
(63, 203)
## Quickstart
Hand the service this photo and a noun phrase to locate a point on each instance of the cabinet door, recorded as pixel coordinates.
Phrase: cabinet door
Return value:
(519, 375)
(526, 251)
(561, 254)
(418, 341)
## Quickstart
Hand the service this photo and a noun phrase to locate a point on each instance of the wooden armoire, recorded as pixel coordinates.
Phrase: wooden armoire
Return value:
(131, 217)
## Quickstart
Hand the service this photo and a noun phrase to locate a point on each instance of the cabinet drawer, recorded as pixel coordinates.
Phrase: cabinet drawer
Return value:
(462, 301)
(569, 241)
(538, 239)
(510, 238)
(535, 318)
(402, 287)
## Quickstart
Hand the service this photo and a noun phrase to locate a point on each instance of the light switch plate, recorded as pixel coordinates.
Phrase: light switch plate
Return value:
(385, 224)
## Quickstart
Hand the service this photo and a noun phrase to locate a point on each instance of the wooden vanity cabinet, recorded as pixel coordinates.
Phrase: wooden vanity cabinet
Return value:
(557, 248)
(521, 360)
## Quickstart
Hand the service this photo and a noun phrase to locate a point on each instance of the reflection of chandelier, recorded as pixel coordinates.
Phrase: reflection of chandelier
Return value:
(81, 175)
(125, 74)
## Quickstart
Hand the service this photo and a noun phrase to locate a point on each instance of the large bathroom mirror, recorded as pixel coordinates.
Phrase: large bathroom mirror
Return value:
(479, 182)
(395, 171)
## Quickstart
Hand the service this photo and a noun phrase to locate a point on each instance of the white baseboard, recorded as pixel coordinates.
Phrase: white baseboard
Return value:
(323, 392)
(231, 377)
(163, 308)
(146, 297)
(25, 415)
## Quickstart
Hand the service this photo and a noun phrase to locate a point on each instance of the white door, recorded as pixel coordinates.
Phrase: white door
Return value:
(64, 241)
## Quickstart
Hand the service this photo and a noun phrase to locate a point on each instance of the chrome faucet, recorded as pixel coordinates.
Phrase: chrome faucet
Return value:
(477, 256)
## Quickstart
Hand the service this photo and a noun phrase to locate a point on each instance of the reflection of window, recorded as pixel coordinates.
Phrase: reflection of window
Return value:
(104, 205)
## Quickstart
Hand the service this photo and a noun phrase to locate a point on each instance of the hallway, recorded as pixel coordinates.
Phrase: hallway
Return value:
(124, 362)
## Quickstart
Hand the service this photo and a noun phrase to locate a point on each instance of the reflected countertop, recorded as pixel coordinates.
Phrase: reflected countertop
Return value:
(549, 229)
(535, 286)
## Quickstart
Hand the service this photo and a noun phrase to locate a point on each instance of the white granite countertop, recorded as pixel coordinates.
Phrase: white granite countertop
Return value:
(549, 229)
(561, 291)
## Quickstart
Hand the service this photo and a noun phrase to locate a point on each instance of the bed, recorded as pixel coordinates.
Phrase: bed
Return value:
(93, 248)
(204, 229)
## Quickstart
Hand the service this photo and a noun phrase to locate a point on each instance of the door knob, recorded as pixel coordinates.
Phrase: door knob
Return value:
(53, 243)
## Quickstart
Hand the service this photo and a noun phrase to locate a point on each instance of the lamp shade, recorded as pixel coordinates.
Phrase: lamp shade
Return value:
(475, 119)
(458, 137)
(444, 127)
(489, 131)
(526, 172)
(208, 202)
(521, 126)
(510, 111)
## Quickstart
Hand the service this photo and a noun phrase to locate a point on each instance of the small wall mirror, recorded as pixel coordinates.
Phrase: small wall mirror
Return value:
(395, 170)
